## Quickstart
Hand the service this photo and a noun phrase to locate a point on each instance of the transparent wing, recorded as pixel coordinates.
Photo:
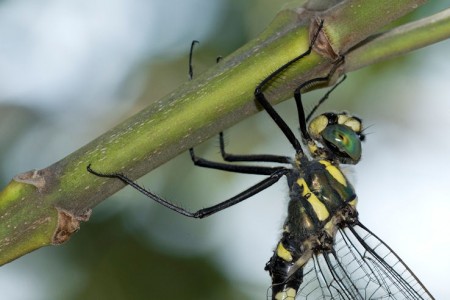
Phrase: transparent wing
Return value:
(360, 266)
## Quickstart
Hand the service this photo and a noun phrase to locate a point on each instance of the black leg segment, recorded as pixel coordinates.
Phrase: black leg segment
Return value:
(205, 212)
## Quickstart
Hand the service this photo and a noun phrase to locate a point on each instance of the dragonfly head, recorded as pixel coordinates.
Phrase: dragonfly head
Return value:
(340, 133)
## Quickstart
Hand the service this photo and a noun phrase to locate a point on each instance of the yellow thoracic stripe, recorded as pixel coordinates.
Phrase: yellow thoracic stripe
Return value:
(319, 208)
(335, 172)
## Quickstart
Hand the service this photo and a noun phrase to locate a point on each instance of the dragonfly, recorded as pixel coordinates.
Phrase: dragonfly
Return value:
(324, 252)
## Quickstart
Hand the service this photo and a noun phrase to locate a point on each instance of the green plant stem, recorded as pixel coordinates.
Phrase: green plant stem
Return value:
(345, 31)
(400, 40)
(45, 207)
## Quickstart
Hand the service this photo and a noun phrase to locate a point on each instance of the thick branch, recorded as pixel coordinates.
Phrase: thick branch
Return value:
(45, 207)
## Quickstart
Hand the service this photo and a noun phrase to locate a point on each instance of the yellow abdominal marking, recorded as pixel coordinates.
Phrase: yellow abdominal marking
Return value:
(319, 208)
(335, 172)
(283, 252)
(290, 293)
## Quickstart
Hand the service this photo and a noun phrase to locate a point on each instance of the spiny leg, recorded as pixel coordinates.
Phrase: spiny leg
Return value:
(191, 51)
(298, 98)
(253, 157)
(231, 157)
(205, 212)
(246, 169)
(324, 98)
(259, 95)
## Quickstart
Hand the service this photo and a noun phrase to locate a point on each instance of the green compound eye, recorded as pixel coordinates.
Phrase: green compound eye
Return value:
(344, 139)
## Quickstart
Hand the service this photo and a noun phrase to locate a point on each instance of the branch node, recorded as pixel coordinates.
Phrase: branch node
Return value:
(322, 44)
(33, 177)
(68, 223)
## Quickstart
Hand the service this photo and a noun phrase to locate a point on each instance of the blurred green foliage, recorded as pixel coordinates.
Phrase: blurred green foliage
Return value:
(120, 265)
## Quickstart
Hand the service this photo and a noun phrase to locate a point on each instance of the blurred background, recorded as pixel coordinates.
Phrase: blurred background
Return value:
(70, 70)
